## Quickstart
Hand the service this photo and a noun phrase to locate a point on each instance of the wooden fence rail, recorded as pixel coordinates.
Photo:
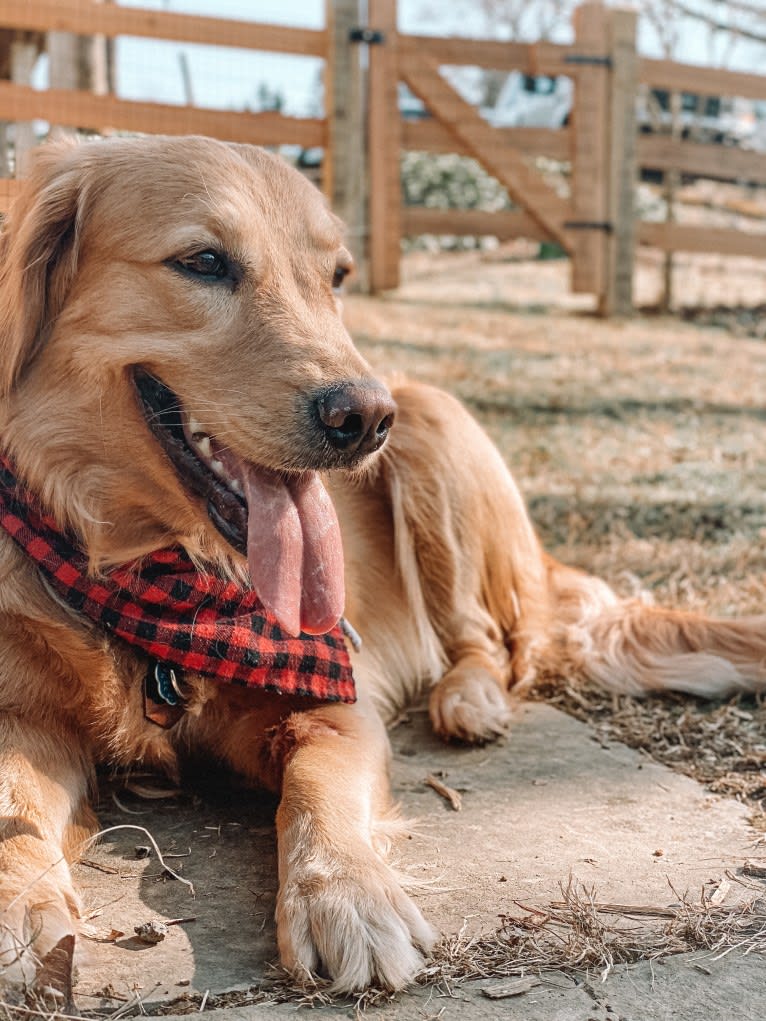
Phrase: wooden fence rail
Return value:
(77, 109)
(83, 17)
(363, 135)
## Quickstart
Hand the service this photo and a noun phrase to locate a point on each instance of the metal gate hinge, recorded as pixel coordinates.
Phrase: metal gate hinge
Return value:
(606, 225)
(371, 36)
(588, 60)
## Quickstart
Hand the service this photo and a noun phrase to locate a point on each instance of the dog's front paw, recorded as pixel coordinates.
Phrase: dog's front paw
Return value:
(469, 705)
(349, 919)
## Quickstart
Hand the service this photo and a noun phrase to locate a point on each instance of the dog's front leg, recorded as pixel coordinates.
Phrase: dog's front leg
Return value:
(43, 815)
(340, 907)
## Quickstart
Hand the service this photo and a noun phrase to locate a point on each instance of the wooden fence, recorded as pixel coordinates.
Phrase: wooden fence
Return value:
(596, 221)
(363, 135)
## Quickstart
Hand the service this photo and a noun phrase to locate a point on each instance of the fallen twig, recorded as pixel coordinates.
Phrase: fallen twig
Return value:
(448, 793)
(89, 863)
(152, 841)
(515, 987)
(647, 910)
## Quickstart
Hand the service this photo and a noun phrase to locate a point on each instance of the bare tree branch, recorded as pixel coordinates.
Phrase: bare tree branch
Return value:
(753, 10)
(739, 29)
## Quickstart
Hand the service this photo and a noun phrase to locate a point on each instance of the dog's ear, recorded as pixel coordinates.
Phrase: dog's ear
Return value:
(38, 256)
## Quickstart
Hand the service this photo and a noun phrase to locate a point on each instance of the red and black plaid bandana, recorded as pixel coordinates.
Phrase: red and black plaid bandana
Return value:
(178, 615)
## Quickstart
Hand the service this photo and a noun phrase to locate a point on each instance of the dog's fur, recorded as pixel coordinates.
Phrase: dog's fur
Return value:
(446, 580)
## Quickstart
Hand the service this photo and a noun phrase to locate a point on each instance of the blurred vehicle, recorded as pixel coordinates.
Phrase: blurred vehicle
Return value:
(539, 101)
(531, 101)
(756, 135)
(701, 118)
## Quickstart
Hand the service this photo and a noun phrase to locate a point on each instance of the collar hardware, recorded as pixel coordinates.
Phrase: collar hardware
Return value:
(164, 701)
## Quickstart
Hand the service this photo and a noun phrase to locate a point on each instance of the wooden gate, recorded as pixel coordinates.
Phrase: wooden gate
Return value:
(598, 141)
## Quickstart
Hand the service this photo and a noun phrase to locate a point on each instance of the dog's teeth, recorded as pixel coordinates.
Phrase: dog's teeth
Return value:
(202, 442)
(217, 466)
(195, 426)
(236, 486)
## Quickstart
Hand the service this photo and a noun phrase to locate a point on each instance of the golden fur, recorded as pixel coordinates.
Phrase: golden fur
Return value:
(446, 580)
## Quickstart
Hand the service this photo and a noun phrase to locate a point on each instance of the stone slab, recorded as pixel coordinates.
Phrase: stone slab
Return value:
(547, 803)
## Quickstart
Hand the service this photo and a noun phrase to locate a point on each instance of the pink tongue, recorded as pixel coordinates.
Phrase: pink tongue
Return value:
(294, 550)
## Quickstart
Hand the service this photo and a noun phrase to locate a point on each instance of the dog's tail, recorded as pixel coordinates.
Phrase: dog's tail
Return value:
(629, 646)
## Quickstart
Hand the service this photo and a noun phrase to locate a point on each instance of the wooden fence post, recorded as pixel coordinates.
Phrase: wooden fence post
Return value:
(670, 185)
(384, 144)
(590, 206)
(25, 49)
(344, 169)
(616, 297)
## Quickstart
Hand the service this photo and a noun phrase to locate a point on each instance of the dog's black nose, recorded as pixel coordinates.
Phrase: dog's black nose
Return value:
(355, 417)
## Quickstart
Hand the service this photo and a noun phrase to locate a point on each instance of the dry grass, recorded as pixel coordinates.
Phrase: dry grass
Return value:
(575, 934)
(578, 933)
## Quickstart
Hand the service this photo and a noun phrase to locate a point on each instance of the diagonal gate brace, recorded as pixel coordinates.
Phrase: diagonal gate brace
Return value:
(525, 186)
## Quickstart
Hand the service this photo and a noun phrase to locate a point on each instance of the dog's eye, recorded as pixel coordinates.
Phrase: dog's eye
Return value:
(207, 265)
(340, 274)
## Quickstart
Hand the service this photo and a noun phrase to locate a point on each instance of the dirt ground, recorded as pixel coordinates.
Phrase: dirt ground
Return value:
(640, 447)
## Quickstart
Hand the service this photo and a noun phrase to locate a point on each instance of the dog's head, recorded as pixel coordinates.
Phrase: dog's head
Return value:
(173, 366)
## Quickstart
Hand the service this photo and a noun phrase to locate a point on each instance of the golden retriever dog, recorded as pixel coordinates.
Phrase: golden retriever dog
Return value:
(175, 383)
